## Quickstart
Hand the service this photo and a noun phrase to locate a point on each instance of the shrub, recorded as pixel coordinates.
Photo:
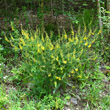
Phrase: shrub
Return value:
(49, 65)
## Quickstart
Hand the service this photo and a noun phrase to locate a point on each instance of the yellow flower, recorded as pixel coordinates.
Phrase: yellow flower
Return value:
(72, 32)
(65, 36)
(70, 40)
(92, 33)
(11, 44)
(84, 28)
(89, 46)
(20, 47)
(57, 58)
(15, 48)
(55, 83)
(72, 71)
(32, 38)
(42, 47)
(12, 37)
(6, 39)
(52, 56)
(76, 38)
(25, 34)
(49, 75)
(57, 105)
(57, 45)
(58, 78)
(38, 45)
(81, 41)
(61, 68)
(69, 75)
(12, 27)
(73, 87)
(106, 48)
(99, 32)
(34, 59)
(85, 38)
(39, 51)
(65, 62)
(95, 58)
(51, 47)
(86, 44)
(76, 69)
(22, 40)
(80, 76)
(42, 38)
(78, 59)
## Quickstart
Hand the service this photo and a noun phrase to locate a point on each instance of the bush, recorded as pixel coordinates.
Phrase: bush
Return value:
(48, 65)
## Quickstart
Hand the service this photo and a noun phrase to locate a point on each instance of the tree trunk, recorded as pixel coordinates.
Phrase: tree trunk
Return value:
(108, 9)
(99, 16)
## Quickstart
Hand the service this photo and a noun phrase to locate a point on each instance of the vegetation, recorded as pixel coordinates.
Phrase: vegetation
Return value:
(54, 55)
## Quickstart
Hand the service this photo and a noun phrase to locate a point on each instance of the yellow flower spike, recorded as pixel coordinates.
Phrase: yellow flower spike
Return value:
(25, 34)
(76, 69)
(11, 37)
(89, 46)
(20, 47)
(49, 75)
(7, 39)
(22, 41)
(86, 44)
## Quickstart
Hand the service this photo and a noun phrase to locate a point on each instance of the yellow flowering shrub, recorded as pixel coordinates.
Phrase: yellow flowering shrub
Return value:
(49, 65)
